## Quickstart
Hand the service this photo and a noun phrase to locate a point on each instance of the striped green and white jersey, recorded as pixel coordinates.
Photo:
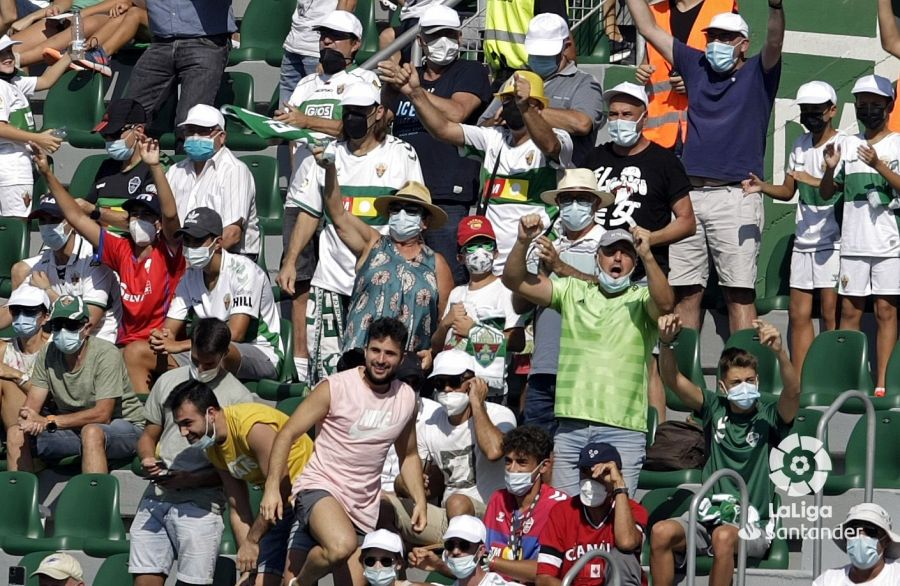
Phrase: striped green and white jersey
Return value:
(818, 219)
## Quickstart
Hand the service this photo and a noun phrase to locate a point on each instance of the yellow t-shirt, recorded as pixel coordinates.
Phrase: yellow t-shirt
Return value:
(236, 456)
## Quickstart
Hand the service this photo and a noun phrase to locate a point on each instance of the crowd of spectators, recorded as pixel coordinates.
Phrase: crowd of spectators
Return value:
(445, 223)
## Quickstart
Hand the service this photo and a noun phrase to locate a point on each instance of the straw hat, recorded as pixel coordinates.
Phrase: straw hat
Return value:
(413, 192)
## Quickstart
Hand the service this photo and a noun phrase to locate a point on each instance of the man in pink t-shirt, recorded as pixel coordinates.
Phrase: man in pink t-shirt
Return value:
(359, 413)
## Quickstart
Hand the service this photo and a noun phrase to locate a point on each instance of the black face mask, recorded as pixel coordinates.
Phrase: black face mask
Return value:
(871, 116)
(356, 125)
(332, 61)
(512, 116)
(813, 121)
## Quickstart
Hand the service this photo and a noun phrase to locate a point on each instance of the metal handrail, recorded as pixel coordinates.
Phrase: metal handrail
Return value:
(398, 43)
(870, 460)
(613, 574)
(692, 525)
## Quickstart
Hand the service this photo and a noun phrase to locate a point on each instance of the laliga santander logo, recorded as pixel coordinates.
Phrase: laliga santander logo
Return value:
(799, 465)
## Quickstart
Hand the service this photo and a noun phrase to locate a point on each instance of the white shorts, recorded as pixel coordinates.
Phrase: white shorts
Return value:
(15, 200)
(729, 227)
(815, 269)
(862, 276)
(162, 531)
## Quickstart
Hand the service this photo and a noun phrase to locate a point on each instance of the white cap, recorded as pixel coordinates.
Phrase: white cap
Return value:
(27, 295)
(874, 515)
(60, 566)
(452, 363)
(816, 92)
(629, 89)
(341, 21)
(547, 34)
(205, 117)
(729, 21)
(874, 84)
(383, 539)
(360, 94)
(439, 17)
(467, 528)
(6, 42)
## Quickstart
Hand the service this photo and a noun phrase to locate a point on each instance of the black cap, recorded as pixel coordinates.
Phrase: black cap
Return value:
(200, 223)
(48, 207)
(146, 200)
(120, 114)
(599, 453)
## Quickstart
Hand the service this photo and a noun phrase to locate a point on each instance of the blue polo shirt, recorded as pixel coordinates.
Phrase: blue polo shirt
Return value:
(197, 18)
(728, 115)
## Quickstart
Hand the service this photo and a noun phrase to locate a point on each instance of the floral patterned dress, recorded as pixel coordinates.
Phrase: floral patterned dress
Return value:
(389, 285)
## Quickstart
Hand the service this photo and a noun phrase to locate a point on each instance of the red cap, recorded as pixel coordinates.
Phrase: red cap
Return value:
(472, 227)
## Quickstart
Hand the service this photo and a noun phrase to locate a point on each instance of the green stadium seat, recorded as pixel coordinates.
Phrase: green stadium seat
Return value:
(806, 422)
(837, 361)
(887, 456)
(287, 406)
(269, 201)
(768, 371)
(263, 29)
(365, 12)
(228, 546)
(687, 354)
(271, 390)
(891, 400)
(31, 563)
(438, 578)
(775, 295)
(85, 173)
(113, 571)
(651, 479)
(76, 102)
(86, 518)
(14, 239)
(19, 494)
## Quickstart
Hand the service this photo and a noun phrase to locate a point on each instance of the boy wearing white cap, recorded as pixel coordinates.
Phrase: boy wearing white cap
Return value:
(866, 167)
(381, 555)
(873, 548)
(465, 553)
(815, 261)
(59, 569)
(211, 176)
(315, 104)
(18, 129)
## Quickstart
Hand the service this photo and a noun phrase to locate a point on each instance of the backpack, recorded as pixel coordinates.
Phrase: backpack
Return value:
(678, 445)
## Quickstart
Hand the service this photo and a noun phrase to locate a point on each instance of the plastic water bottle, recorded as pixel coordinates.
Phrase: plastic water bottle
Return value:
(61, 133)
(77, 51)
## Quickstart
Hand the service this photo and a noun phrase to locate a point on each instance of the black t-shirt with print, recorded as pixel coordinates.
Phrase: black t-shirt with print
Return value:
(111, 186)
(645, 185)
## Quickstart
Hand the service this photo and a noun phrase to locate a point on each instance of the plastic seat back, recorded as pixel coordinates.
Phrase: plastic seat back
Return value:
(14, 240)
(31, 562)
(264, 26)
(113, 571)
(19, 495)
(687, 355)
(84, 176)
(269, 203)
(76, 102)
(287, 406)
(365, 12)
(88, 507)
(837, 361)
(892, 375)
(768, 370)
(887, 451)
(775, 294)
(287, 344)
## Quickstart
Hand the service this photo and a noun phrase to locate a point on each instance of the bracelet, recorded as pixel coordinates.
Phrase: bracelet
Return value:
(620, 490)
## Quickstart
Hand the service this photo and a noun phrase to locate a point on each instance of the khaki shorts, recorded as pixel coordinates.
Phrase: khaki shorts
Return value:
(729, 226)
(437, 520)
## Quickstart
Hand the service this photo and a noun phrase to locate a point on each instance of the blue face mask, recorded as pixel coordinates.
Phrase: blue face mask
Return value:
(576, 215)
(863, 552)
(25, 325)
(199, 148)
(207, 441)
(67, 341)
(612, 284)
(54, 235)
(743, 395)
(119, 150)
(721, 56)
(543, 65)
(404, 226)
(624, 132)
(461, 567)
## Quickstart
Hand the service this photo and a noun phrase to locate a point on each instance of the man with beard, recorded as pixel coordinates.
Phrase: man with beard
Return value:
(359, 414)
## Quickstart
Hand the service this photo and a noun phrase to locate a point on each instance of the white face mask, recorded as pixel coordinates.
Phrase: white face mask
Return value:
(480, 262)
(199, 257)
(455, 403)
(518, 483)
(592, 493)
(443, 50)
(204, 377)
(55, 235)
(143, 232)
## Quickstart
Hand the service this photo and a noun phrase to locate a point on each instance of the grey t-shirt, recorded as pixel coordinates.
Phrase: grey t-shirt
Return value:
(570, 89)
(174, 450)
(102, 375)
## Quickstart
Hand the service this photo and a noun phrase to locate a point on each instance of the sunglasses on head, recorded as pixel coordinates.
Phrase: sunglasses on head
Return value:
(385, 562)
(410, 208)
(461, 545)
(469, 248)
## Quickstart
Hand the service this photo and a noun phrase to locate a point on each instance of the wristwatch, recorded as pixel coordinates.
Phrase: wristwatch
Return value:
(51, 424)
(621, 490)
(95, 214)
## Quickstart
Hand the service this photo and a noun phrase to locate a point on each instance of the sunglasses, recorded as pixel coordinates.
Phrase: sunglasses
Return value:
(66, 324)
(868, 531)
(29, 311)
(410, 208)
(470, 248)
(442, 382)
(461, 545)
(335, 35)
(385, 562)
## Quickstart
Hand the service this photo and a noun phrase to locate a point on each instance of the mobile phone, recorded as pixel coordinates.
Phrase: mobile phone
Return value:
(17, 576)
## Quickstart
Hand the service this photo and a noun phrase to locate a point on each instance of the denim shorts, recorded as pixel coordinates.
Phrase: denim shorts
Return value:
(120, 434)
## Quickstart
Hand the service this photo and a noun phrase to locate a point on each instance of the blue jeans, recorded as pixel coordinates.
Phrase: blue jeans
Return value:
(294, 67)
(443, 240)
(574, 434)
(194, 64)
(540, 395)
(120, 435)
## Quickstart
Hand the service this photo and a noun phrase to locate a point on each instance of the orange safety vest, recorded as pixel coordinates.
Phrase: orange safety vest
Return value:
(667, 114)
(894, 119)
